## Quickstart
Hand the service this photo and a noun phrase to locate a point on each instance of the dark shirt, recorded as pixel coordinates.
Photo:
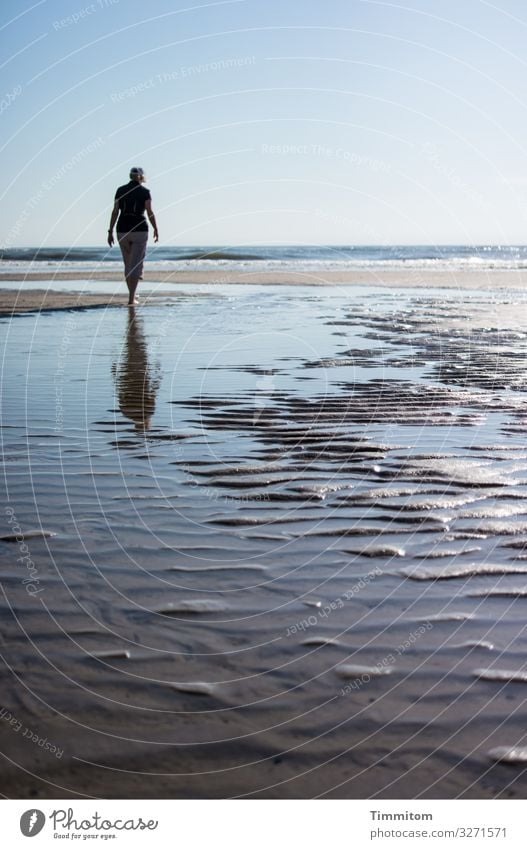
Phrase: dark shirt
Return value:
(132, 199)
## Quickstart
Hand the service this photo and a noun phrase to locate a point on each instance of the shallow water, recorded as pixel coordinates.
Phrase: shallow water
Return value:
(283, 548)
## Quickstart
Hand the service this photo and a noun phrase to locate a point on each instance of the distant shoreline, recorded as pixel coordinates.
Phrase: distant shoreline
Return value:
(28, 298)
(407, 278)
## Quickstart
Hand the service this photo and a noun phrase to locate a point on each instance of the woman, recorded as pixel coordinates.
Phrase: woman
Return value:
(130, 204)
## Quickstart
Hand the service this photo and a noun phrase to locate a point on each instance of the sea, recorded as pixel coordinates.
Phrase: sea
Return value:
(451, 258)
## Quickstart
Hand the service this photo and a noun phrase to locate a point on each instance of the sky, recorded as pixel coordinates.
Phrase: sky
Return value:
(276, 122)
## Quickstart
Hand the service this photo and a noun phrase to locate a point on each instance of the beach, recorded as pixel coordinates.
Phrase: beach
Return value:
(264, 535)
(263, 322)
(25, 295)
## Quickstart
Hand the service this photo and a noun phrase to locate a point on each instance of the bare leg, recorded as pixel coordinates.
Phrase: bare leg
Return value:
(126, 250)
(133, 248)
(132, 286)
(136, 259)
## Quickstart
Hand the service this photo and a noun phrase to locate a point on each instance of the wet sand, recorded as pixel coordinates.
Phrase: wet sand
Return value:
(24, 300)
(412, 278)
(275, 546)
(31, 300)
(28, 297)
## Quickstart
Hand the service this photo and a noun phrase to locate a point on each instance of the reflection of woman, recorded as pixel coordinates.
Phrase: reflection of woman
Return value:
(130, 204)
(136, 386)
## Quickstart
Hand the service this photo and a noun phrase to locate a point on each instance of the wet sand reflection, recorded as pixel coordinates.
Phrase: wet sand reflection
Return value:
(137, 381)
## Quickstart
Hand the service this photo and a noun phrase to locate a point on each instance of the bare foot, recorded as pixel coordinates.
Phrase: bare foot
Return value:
(133, 303)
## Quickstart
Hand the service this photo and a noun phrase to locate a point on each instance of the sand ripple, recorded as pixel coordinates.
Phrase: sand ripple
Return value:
(316, 441)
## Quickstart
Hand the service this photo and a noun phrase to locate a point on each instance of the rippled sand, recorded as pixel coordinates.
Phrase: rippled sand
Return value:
(266, 543)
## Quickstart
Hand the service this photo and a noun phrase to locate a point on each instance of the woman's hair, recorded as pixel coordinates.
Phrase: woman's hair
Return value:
(136, 173)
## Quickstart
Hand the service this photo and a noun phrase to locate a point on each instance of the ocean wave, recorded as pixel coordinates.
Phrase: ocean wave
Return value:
(274, 258)
(218, 255)
(7, 267)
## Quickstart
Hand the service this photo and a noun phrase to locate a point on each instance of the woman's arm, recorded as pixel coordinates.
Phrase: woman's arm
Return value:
(152, 219)
(113, 219)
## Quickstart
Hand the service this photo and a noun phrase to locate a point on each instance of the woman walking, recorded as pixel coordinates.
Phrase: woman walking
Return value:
(130, 204)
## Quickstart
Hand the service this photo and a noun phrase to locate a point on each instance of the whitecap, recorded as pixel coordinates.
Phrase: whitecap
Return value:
(447, 617)
(202, 605)
(227, 567)
(434, 573)
(33, 534)
(320, 641)
(509, 754)
(519, 675)
(355, 670)
(378, 551)
(513, 592)
(448, 552)
(195, 688)
(112, 654)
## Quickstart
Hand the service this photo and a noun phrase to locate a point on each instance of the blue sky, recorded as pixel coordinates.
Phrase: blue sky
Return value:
(348, 121)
